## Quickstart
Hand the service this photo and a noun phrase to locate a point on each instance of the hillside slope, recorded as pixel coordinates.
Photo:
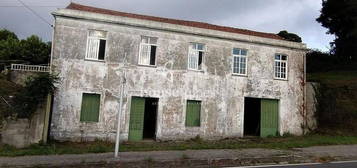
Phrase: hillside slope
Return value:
(337, 109)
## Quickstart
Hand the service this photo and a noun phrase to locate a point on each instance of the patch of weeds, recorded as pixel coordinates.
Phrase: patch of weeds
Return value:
(325, 159)
(197, 139)
(184, 157)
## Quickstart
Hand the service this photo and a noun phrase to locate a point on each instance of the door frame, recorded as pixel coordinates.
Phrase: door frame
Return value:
(157, 113)
(243, 112)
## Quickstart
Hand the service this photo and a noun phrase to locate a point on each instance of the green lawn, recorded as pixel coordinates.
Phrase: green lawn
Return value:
(196, 144)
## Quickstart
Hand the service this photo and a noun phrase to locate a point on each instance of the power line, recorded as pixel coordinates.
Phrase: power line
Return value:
(41, 6)
(34, 12)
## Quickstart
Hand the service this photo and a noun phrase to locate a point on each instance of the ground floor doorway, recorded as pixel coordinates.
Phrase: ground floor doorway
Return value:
(261, 117)
(143, 117)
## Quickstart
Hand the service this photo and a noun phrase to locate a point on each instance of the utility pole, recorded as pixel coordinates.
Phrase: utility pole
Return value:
(119, 112)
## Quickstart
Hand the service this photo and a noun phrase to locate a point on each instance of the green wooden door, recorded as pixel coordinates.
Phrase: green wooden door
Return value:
(269, 117)
(136, 125)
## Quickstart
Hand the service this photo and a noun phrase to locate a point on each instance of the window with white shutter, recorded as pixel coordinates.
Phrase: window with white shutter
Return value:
(96, 45)
(195, 56)
(147, 51)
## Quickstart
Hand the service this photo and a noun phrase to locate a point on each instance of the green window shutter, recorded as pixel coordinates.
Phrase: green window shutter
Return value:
(136, 125)
(193, 113)
(269, 117)
(90, 107)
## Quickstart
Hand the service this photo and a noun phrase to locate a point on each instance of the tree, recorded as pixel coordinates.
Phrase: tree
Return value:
(340, 18)
(32, 49)
(6, 34)
(35, 51)
(289, 36)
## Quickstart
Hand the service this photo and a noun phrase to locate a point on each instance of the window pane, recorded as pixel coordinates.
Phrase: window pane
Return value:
(200, 46)
(144, 39)
(236, 51)
(152, 40)
(97, 33)
(277, 57)
(283, 57)
(152, 55)
(243, 52)
(101, 53)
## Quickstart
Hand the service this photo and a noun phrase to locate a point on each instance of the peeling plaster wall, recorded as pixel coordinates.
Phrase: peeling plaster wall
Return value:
(222, 94)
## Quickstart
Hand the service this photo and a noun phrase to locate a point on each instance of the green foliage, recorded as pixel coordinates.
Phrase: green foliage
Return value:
(35, 91)
(339, 17)
(290, 36)
(7, 90)
(336, 97)
(317, 61)
(32, 49)
(10, 49)
(6, 34)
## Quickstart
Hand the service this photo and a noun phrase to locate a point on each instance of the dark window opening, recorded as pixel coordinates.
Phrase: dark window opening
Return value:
(200, 59)
(101, 50)
(152, 55)
(252, 116)
(150, 115)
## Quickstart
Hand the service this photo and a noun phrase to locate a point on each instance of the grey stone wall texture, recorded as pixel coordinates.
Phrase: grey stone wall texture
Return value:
(222, 93)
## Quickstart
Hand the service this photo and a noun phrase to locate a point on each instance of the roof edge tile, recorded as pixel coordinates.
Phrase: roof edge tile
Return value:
(75, 6)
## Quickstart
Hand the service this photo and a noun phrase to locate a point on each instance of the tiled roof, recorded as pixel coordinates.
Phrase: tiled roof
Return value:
(80, 7)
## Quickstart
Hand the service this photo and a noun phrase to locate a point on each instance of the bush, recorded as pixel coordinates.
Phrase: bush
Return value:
(35, 92)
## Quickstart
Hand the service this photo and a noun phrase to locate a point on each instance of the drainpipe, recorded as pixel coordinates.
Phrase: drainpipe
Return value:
(119, 112)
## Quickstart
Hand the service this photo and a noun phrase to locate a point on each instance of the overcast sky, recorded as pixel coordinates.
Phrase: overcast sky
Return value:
(296, 16)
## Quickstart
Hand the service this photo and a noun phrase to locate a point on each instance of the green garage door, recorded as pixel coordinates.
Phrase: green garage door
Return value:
(136, 125)
(269, 117)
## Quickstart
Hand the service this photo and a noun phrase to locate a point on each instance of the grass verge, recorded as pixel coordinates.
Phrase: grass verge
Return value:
(286, 142)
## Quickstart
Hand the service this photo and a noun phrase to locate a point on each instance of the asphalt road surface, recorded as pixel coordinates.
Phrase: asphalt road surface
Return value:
(342, 164)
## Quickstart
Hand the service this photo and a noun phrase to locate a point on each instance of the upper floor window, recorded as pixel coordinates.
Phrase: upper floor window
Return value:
(239, 61)
(96, 45)
(280, 66)
(195, 56)
(147, 53)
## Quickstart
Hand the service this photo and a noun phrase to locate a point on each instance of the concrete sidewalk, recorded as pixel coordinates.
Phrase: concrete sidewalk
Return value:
(188, 158)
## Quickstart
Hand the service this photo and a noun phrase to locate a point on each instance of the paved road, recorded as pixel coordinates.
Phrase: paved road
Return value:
(347, 164)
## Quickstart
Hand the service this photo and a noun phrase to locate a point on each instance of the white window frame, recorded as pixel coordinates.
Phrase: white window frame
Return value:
(89, 38)
(195, 51)
(278, 66)
(148, 44)
(240, 56)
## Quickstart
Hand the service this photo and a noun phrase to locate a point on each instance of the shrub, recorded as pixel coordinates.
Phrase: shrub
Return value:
(35, 92)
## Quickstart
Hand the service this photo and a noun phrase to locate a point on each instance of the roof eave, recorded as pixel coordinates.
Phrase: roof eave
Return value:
(70, 13)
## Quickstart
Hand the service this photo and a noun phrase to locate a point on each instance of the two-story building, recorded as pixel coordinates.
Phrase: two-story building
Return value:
(181, 79)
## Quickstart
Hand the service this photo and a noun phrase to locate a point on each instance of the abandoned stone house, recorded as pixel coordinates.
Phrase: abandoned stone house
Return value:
(181, 79)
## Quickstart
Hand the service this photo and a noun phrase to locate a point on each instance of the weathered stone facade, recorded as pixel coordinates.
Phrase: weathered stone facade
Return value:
(222, 93)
